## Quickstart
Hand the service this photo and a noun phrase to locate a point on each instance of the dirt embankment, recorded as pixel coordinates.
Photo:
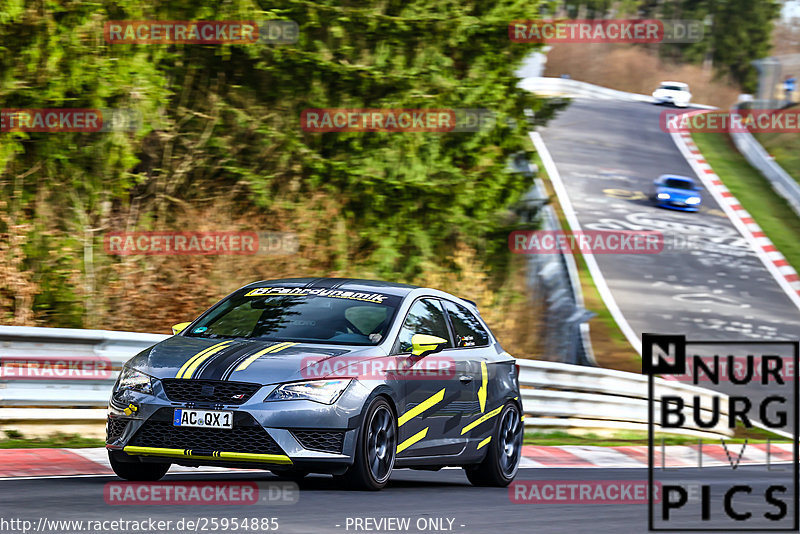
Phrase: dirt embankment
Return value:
(636, 70)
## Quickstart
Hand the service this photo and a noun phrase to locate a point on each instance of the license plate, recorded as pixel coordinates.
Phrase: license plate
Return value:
(202, 418)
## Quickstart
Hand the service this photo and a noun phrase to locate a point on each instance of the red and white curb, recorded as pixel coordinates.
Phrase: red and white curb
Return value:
(40, 463)
(573, 456)
(774, 261)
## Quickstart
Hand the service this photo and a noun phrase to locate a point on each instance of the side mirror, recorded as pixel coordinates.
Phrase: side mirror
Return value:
(180, 327)
(424, 344)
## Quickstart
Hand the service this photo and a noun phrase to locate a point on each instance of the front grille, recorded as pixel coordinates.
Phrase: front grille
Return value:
(321, 440)
(115, 427)
(212, 391)
(246, 436)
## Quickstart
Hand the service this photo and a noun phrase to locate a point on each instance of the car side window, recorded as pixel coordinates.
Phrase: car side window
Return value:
(467, 329)
(425, 317)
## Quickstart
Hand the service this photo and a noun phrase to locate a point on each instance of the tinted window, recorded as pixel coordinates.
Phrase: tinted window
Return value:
(468, 330)
(313, 315)
(424, 317)
(678, 184)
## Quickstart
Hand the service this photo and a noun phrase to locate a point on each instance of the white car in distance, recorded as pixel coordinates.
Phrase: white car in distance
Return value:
(675, 93)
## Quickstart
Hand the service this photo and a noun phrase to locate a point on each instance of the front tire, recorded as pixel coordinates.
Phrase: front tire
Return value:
(501, 463)
(138, 471)
(375, 450)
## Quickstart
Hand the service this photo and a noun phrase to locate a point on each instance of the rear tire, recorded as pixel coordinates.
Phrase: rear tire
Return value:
(138, 471)
(375, 450)
(501, 463)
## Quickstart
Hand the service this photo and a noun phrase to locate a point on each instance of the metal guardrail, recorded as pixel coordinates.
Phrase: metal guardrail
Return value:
(563, 396)
(554, 395)
(556, 287)
(564, 86)
(575, 88)
(781, 181)
(71, 345)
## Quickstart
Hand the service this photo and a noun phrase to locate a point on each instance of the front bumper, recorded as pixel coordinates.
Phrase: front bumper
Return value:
(189, 454)
(670, 100)
(678, 205)
(265, 434)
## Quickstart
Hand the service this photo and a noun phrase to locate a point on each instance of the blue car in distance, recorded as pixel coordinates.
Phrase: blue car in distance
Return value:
(676, 192)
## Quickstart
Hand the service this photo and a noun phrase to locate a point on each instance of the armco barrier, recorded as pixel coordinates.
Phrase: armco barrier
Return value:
(554, 395)
(781, 181)
(562, 86)
(561, 396)
(575, 88)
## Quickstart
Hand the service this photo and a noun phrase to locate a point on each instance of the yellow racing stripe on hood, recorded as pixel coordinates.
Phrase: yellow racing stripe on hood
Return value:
(191, 364)
(274, 348)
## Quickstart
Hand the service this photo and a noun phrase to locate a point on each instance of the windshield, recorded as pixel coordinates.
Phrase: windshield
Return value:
(311, 315)
(678, 184)
(673, 88)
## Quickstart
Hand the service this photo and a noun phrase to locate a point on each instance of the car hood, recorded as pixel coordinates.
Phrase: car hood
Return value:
(678, 193)
(267, 362)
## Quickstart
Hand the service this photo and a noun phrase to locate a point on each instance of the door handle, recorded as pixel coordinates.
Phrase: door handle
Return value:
(465, 379)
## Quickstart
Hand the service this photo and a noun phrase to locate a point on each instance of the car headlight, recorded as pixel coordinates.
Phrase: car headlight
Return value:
(693, 200)
(134, 380)
(323, 391)
(663, 196)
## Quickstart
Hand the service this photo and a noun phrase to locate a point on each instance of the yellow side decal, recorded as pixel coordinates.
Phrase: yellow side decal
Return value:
(421, 407)
(274, 348)
(199, 360)
(484, 442)
(200, 354)
(412, 440)
(480, 420)
(484, 386)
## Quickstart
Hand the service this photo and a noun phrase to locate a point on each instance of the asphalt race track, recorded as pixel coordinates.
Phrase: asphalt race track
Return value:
(608, 154)
(419, 496)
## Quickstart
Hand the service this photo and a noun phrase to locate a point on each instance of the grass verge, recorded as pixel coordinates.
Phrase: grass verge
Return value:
(772, 213)
(15, 440)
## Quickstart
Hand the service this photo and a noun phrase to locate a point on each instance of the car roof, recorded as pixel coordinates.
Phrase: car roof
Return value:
(680, 84)
(354, 284)
(349, 284)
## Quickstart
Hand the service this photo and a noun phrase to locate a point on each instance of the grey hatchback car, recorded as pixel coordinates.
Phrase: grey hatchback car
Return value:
(349, 377)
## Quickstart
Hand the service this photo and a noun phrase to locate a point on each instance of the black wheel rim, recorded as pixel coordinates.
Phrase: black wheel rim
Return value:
(510, 442)
(381, 444)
